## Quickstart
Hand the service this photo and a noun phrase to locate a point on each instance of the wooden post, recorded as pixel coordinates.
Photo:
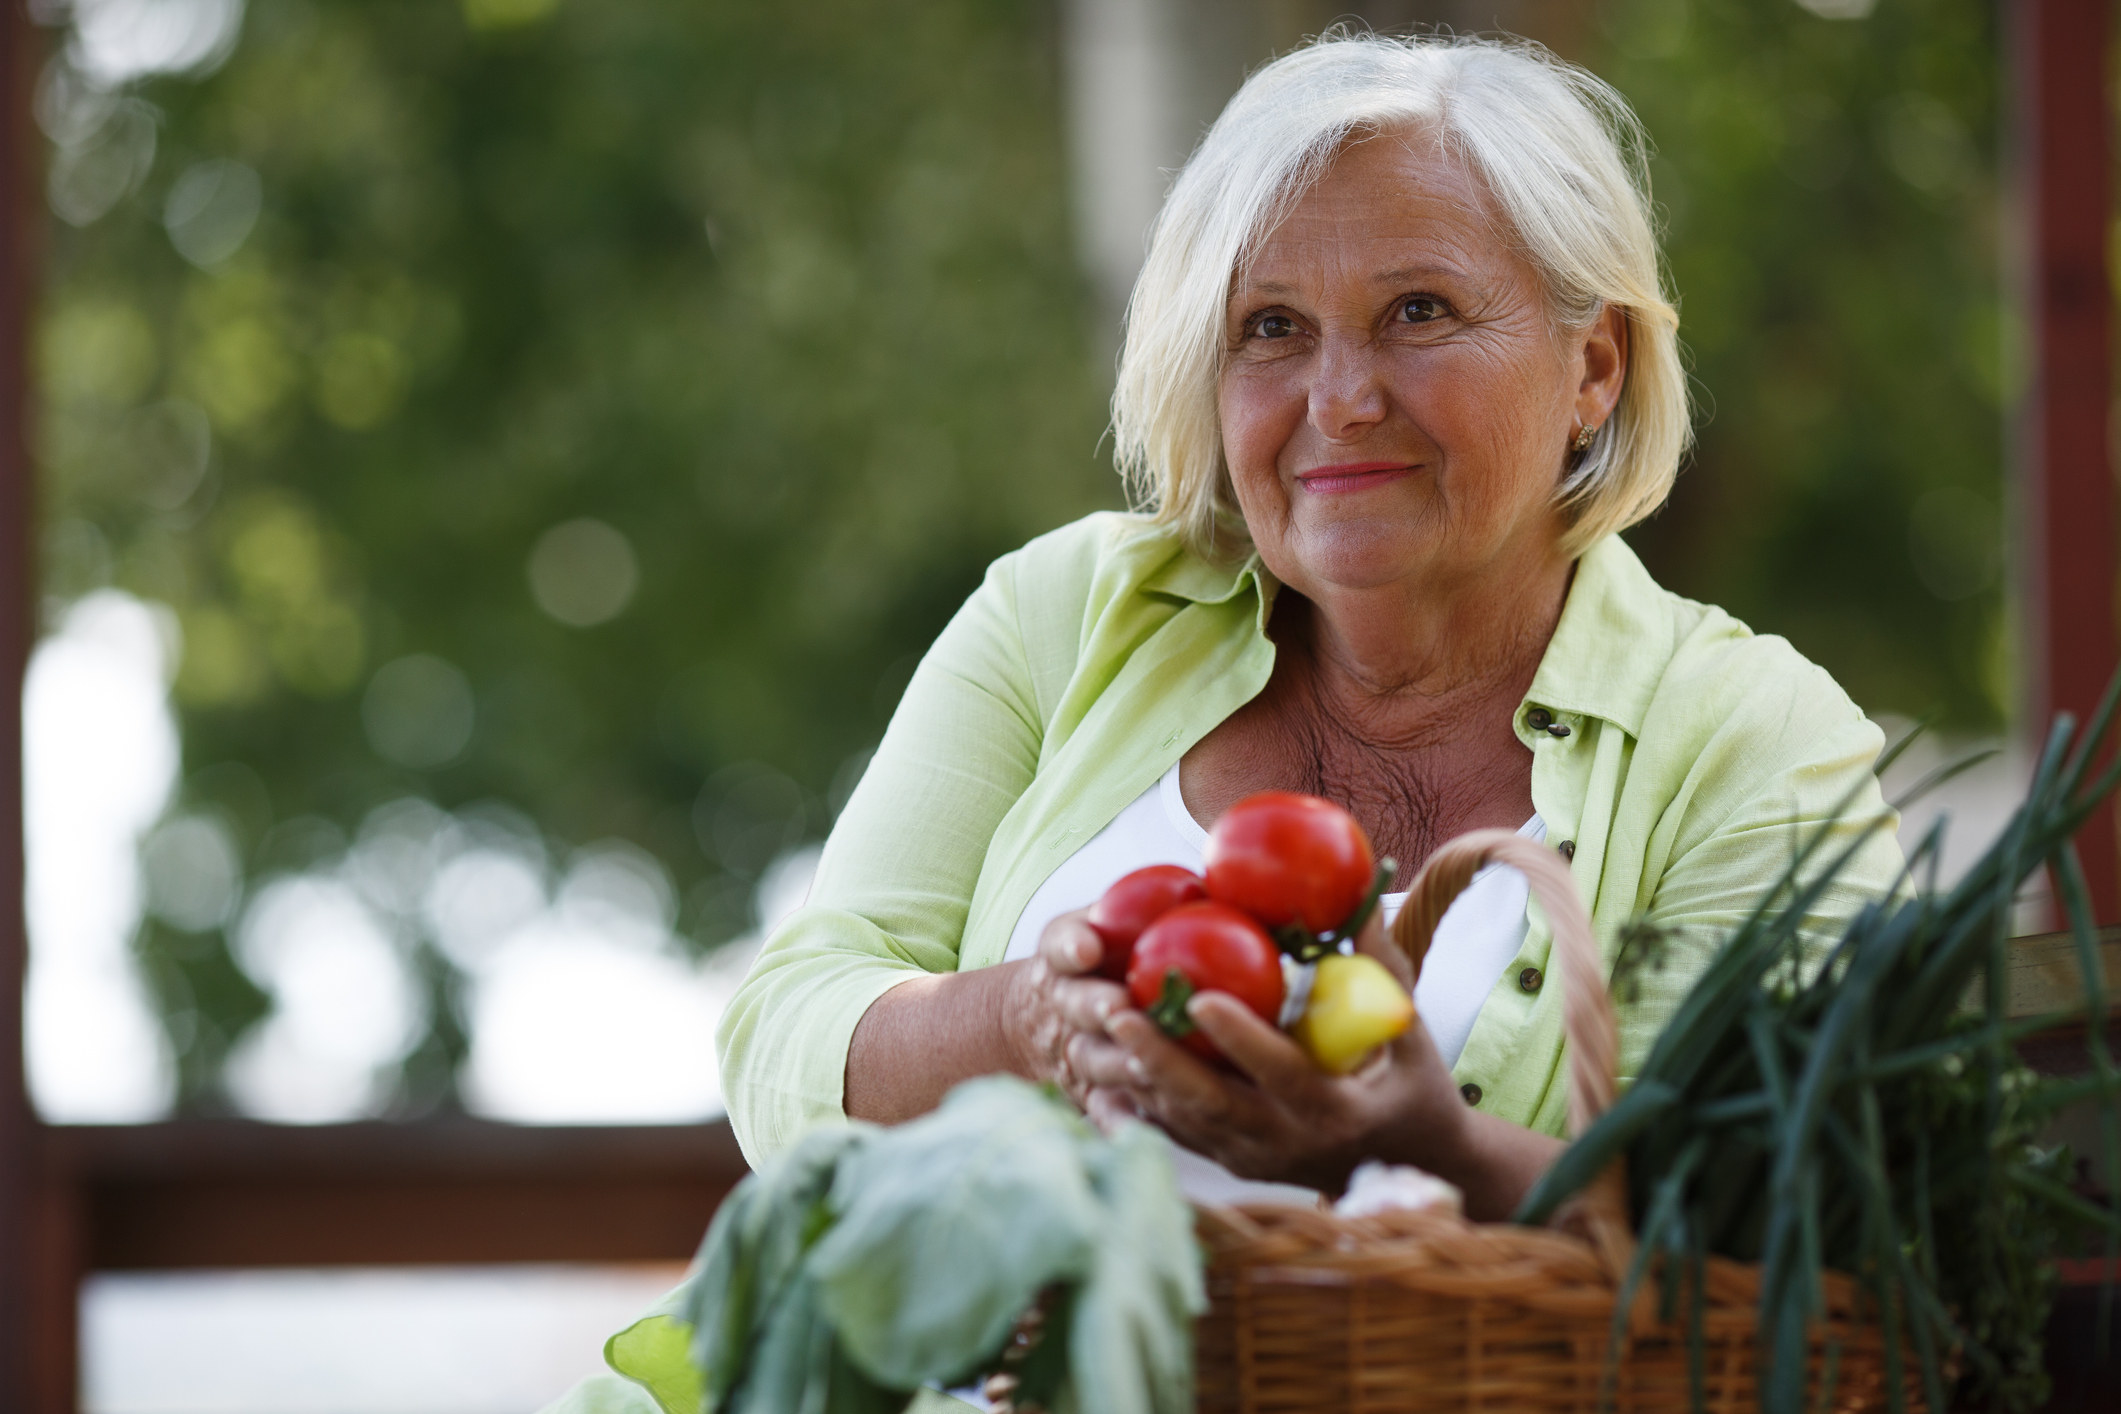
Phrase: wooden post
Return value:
(28, 1363)
(31, 1377)
(2061, 122)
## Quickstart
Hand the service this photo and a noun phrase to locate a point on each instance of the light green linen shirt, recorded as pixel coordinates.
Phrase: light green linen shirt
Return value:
(1698, 757)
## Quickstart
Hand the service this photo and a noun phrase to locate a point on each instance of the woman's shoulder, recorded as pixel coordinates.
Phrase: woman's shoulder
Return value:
(1698, 675)
(1729, 672)
(1079, 573)
(1121, 547)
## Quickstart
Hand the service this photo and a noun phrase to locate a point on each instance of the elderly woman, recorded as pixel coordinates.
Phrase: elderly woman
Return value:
(1397, 372)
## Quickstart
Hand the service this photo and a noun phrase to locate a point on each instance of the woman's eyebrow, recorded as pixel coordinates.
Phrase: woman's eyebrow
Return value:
(1404, 273)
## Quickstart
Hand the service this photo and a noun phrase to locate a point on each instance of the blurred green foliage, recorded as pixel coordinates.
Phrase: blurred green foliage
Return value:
(1830, 188)
(783, 295)
(610, 400)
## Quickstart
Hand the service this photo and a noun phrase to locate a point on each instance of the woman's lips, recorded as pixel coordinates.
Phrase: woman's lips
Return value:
(1352, 476)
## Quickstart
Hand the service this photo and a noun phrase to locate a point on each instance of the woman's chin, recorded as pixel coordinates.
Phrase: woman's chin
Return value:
(1360, 555)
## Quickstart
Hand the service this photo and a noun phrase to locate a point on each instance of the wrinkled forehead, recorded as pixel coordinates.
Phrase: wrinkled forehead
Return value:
(1388, 196)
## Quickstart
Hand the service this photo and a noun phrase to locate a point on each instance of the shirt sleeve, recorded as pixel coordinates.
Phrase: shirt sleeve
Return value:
(1790, 768)
(895, 882)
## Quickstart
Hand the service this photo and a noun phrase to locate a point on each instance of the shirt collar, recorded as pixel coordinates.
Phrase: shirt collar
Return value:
(1602, 662)
(1185, 575)
(1610, 648)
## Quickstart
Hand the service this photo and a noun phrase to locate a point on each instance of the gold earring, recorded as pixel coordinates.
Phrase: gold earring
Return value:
(1584, 434)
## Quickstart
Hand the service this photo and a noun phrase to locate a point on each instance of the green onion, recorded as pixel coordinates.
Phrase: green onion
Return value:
(1842, 1116)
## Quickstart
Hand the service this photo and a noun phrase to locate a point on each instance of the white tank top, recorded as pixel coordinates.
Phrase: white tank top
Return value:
(1477, 940)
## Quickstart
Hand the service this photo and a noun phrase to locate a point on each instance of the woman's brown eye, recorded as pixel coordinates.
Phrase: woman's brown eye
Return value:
(1421, 309)
(1274, 326)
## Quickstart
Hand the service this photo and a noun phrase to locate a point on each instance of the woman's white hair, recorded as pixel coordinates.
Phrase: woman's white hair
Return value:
(1567, 164)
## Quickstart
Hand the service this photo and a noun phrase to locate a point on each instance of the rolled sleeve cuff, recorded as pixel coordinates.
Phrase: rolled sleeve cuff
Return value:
(783, 1043)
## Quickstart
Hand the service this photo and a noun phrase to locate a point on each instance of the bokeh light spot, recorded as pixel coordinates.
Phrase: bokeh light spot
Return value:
(194, 875)
(418, 712)
(168, 446)
(360, 380)
(100, 757)
(346, 1007)
(583, 573)
(748, 815)
(89, 178)
(100, 351)
(211, 210)
(117, 41)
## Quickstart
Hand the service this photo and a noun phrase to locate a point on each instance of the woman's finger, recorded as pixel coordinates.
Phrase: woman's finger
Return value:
(1109, 1108)
(1086, 1003)
(1098, 1061)
(1167, 1077)
(1262, 1052)
(1069, 945)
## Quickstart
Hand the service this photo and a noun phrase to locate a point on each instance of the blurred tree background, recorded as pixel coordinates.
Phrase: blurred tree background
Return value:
(1831, 193)
(587, 412)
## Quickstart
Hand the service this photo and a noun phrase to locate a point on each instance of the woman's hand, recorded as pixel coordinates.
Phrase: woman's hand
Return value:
(1058, 1008)
(1024, 1018)
(1282, 1118)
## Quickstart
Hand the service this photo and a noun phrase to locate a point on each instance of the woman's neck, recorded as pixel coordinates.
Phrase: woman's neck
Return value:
(1401, 660)
(1397, 705)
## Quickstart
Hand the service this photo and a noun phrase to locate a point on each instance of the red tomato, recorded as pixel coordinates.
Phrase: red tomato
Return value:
(1132, 904)
(1215, 949)
(1289, 858)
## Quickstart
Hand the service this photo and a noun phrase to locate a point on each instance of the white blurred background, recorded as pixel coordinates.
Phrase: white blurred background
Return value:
(583, 1007)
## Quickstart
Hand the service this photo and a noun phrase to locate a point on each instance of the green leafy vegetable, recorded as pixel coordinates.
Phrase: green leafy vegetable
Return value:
(1129, 1354)
(946, 1231)
(869, 1262)
(753, 1251)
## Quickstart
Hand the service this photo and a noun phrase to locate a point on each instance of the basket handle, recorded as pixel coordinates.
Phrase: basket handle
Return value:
(1587, 1020)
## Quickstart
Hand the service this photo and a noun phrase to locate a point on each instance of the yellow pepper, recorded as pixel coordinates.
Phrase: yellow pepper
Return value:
(1356, 1006)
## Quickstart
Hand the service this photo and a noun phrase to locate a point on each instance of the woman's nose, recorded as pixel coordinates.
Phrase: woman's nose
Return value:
(1347, 395)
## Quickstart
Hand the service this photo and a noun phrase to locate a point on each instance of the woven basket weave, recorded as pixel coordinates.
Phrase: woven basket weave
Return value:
(1406, 1312)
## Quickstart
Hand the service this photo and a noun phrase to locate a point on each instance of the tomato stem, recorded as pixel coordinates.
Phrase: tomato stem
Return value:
(1306, 946)
(1169, 1009)
(1300, 943)
(1357, 920)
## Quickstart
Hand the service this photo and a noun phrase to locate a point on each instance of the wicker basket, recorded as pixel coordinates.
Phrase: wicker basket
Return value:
(1430, 1312)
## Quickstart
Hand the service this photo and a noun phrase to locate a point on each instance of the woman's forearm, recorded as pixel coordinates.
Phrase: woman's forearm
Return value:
(924, 1036)
(1494, 1162)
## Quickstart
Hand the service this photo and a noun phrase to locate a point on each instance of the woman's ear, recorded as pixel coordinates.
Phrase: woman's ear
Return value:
(1602, 361)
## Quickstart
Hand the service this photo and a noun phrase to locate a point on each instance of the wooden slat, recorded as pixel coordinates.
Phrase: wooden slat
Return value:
(2045, 982)
(2045, 979)
(239, 1194)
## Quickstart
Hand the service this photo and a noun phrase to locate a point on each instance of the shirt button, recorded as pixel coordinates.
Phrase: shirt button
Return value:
(1567, 848)
(1471, 1092)
(1557, 730)
(1529, 980)
(1539, 718)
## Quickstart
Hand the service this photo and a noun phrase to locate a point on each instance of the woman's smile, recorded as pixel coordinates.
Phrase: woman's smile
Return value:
(1353, 476)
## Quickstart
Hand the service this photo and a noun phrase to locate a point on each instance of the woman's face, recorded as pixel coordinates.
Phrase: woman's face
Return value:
(1397, 407)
